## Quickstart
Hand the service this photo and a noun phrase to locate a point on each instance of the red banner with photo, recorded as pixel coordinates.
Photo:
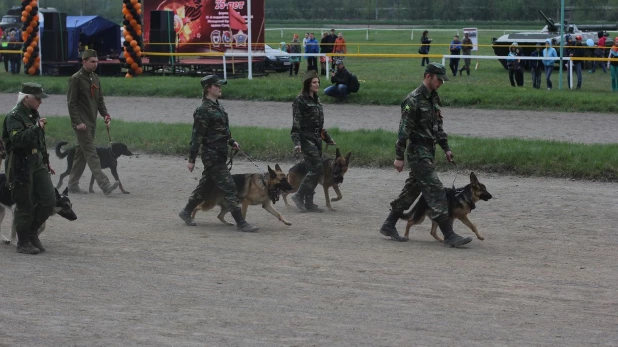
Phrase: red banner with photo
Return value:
(202, 26)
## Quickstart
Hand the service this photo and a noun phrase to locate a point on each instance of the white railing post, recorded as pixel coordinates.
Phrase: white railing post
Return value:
(224, 68)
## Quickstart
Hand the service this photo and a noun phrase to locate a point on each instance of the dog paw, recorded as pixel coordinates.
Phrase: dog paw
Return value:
(335, 199)
(286, 222)
(125, 192)
(6, 242)
(332, 209)
(480, 237)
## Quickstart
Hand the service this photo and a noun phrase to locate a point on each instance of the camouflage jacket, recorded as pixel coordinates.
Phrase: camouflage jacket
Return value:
(308, 121)
(211, 127)
(85, 98)
(421, 121)
(466, 46)
(22, 137)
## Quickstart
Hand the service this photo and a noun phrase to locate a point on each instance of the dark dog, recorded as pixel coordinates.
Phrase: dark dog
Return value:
(107, 155)
(461, 202)
(63, 208)
(332, 176)
(253, 189)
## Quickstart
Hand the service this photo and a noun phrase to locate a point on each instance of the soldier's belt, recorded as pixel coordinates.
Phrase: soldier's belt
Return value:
(312, 130)
(422, 142)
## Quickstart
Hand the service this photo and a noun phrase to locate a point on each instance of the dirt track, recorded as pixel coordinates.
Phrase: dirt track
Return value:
(128, 272)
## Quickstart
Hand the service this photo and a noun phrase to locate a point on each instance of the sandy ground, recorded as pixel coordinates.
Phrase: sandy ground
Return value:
(560, 126)
(128, 272)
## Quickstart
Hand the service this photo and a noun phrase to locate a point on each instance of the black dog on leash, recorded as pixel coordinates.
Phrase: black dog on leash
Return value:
(107, 155)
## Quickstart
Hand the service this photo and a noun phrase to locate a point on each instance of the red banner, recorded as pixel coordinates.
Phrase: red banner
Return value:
(210, 25)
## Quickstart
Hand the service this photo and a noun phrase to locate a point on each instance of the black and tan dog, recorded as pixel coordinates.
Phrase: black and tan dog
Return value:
(332, 176)
(107, 155)
(461, 202)
(63, 207)
(253, 189)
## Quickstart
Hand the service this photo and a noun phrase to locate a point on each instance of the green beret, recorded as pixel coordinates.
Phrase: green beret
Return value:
(33, 89)
(212, 79)
(311, 74)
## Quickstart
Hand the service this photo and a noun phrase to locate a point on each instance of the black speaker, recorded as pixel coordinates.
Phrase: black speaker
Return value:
(166, 43)
(55, 21)
(161, 20)
(54, 45)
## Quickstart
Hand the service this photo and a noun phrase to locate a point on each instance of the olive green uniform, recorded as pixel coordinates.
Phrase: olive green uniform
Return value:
(85, 100)
(308, 132)
(211, 132)
(421, 125)
(27, 173)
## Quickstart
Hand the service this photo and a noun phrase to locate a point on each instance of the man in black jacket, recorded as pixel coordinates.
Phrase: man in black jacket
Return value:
(340, 80)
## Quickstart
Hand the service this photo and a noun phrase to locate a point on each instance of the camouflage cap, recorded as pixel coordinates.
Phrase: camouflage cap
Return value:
(438, 70)
(212, 79)
(311, 74)
(338, 62)
(89, 53)
(33, 89)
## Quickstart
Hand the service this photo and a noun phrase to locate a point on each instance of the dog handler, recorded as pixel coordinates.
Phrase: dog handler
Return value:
(85, 100)
(421, 124)
(27, 167)
(211, 130)
(307, 134)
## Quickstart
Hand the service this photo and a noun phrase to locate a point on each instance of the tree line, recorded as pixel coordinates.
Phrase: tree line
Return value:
(367, 11)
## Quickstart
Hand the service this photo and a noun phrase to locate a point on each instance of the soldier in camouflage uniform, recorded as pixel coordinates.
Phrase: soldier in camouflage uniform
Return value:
(307, 134)
(421, 124)
(27, 168)
(85, 99)
(211, 131)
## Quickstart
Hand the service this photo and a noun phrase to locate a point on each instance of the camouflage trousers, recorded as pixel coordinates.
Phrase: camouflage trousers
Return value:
(312, 154)
(34, 200)
(215, 170)
(423, 179)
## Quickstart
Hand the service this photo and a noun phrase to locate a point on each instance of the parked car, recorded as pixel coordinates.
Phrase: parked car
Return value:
(276, 59)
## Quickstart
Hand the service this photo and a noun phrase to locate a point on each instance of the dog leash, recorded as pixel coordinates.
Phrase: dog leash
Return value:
(456, 173)
(109, 137)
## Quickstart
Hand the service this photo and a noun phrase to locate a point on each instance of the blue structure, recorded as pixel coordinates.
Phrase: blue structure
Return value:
(99, 33)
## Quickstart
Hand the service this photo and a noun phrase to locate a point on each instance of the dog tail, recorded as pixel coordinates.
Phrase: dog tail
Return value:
(417, 212)
(59, 151)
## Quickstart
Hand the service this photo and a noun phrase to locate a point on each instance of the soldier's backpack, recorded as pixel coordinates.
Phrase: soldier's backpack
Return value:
(353, 84)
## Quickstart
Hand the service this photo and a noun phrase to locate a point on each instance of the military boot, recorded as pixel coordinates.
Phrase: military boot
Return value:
(34, 240)
(24, 245)
(109, 187)
(450, 238)
(186, 212)
(241, 223)
(309, 205)
(299, 199)
(76, 190)
(389, 228)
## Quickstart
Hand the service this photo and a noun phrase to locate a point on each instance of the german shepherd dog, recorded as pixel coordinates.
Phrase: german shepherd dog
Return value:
(107, 155)
(332, 176)
(461, 202)
(63, 208)
(253, 189)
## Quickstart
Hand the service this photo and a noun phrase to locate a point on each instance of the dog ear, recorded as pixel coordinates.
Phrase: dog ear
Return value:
(271, 172)
(347, 158)
(337, 153)
(473, 178)
(277, 167)
(65, 192)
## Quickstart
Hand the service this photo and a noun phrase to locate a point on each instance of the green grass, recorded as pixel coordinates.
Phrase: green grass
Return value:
(384, 81)
(374, 148)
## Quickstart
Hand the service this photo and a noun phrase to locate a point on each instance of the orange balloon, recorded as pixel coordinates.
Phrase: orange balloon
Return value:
(125, 11)
(128, 37)
(24, 37)
(137, 48)
(37, 59)
(24, 14)
(33, 23)
(138, 6)
(30, 49)
(32, 70)
(138, 32)
(133, 22)
(23, 19)
(139, 11)
(35, 39)
(134, 66)
(27, 55)
(33, 3)
(126, 54)
(130, 61)
(33, 44)
(28, 8)
(139, 71)
(36, 17)
(129, 17)
(138, 53)
(133, 43)
(25, 60)
(29, 30)
(133, 2)
(36, 65)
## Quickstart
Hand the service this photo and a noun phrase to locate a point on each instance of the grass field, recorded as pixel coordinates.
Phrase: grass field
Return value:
(384, 81)
(374, 148)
